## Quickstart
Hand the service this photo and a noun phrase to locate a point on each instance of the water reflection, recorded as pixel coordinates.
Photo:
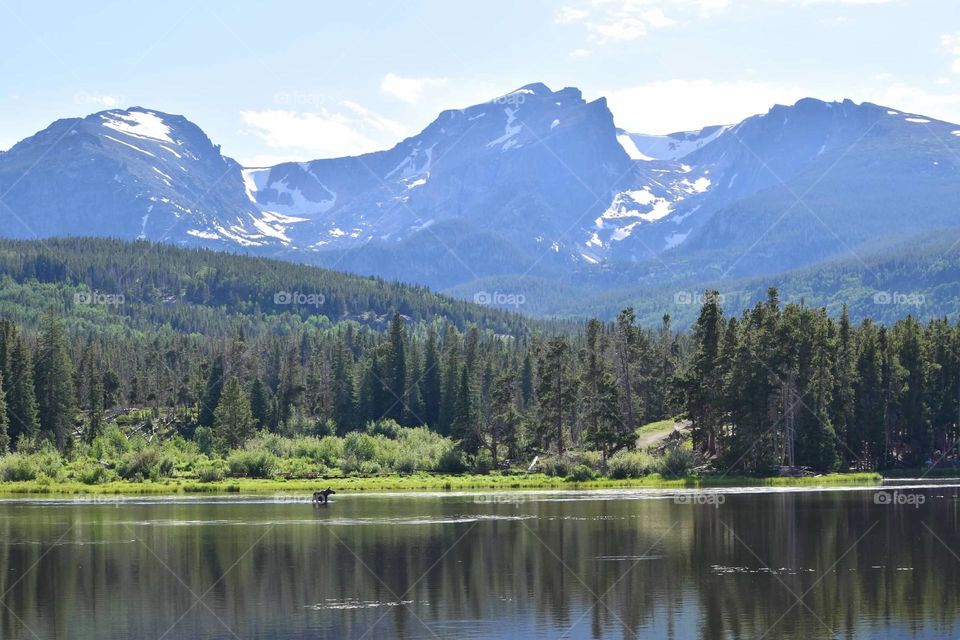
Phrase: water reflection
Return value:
(752, 565)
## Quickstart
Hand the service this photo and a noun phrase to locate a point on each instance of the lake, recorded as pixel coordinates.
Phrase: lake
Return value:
(744, 563)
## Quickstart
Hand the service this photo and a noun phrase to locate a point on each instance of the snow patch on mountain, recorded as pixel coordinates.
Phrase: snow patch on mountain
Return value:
(134, 147)
(408, 167)
(509, 131)
(140, 124)
(631, 148)
(674, 240)
(675, 145)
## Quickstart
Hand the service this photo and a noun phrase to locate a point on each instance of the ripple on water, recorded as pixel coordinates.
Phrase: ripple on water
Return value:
(354, 603)
(416, 520)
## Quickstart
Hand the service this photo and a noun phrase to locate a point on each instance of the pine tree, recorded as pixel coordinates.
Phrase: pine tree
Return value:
(704, 391)
(502, 429)
(53, 378)
(625, 342)
(395, 368)
(843, 409)
(233, 422)
(451, 379)
(527, 383)
(259, 404)
(431, 383)
(211, 394)
(94, 411)
(22, 415)
(4, 422)
(344, 410)
(604, 431)
(464, 426)
(556, 393)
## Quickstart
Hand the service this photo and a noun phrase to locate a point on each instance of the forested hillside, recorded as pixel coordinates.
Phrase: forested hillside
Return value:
(142, 286)
(145, 373)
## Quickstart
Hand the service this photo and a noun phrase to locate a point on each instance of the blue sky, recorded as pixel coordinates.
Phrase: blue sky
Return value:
(300, 80)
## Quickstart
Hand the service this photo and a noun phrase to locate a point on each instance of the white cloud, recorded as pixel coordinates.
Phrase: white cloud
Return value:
(681, 105)
(861, 2)
(610, 21)
(951, 42)
(566, 15)
(95, 99)
(580, 53)
(407, 89)
(911, 99)
(307, 135)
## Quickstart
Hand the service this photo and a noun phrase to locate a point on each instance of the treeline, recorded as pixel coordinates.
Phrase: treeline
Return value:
(501, 397)
(792, 386)
(95, 282)
(777, 385)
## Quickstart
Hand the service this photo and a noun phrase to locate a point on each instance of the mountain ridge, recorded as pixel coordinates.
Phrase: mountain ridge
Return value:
(534, 183)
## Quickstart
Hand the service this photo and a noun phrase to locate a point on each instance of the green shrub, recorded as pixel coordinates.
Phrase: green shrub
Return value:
(252, 464)
(482, 463)
(208, 470)
(631, 464)
(91, 473)
(452, 460)
(139, 464)
(387, 428)
(676, 462)
(48, 461)
(406, 463)
(582, 473)
(17, 468)
(330, 451)
(559, 466)
(359, 446)
(425, 447)
(370, 468)
(164, 468)
(110, 445)
(299, 468)
(203, 436)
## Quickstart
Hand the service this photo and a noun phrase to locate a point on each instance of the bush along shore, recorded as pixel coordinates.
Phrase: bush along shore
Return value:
(384, 457)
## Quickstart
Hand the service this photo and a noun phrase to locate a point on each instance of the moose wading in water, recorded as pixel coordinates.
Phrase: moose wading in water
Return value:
(322, 497)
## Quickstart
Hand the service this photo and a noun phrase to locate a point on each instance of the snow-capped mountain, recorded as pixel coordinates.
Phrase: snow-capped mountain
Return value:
(528, 165)
(131, 173)
(535, 183)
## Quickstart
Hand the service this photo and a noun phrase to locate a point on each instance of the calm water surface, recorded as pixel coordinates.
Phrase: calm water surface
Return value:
(605, 564)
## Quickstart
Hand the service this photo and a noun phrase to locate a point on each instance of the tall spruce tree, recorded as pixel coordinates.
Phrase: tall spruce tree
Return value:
(233, 422)
(22, 412)
(53, 379)
(556, 393)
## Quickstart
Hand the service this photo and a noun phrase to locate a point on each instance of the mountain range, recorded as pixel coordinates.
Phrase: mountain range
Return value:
(536, 193)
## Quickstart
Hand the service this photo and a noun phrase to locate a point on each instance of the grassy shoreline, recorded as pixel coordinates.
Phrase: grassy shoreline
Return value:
(420, 482)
